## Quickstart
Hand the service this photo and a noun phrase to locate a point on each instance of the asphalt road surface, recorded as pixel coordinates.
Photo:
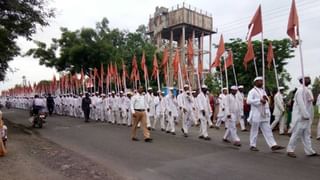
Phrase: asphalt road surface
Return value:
(174, 157)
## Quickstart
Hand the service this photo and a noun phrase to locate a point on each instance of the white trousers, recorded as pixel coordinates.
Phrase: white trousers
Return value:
(265, 128)
(220, 118)
(160, 118)
(231, 132)
(301, 130)
(203, 125)
(187, 121)
(281, 120)
(171, 125)
(242, 124)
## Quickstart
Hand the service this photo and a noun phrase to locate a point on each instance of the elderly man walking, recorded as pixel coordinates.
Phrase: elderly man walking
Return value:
(259, 117)
(301, 116)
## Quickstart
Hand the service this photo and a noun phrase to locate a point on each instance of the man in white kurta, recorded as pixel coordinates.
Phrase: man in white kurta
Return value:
(259, 117)
(188, 116)
(278, 111)
(172, 111)
(151, 113)
(240, 98)
(232, 107)
(204, 112)
(113, 106)
(221, 113)
(301, 115)
(160, 111)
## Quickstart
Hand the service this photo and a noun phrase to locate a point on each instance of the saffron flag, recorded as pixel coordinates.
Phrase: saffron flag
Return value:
(155, 67)
(255, 25)
(143, 66)
(293, 24)
(219, 53)
(190, 52)
(176, 64)
(249, 55)
(229, 60)
(270, 55)
(164, 63)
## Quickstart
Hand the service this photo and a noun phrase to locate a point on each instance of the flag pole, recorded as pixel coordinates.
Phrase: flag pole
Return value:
(301, 60)
(158, 80)
(255, 66)
(198, 77)
(276, 73)
(263, 61)
(221, 76)
(226, 73)
(234, 74)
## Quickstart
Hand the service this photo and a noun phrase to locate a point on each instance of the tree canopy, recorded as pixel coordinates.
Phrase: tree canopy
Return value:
(19, 18)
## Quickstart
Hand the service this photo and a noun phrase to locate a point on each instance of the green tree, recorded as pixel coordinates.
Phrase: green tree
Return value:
(19, 18)
(282, 51)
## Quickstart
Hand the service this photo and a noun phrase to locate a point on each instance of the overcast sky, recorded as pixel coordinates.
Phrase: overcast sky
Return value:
(231, 17)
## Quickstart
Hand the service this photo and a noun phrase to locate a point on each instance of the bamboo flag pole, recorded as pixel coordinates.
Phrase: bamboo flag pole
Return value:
(234, 74)
(221, 76)
(255, 67)
(263, 62)
(158, 80)
(276, 73)
(226, 74)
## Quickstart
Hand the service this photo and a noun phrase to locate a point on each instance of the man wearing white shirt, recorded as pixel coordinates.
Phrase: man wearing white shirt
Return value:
(151, 113)
(188, 116)
(259, 117)
(113, 106)
(204, 112)
(278, 111)
(301, 115)
(139, 107)
(232, 108)
(160, 110)
(240, 98)
(221, 114)
(172, 111)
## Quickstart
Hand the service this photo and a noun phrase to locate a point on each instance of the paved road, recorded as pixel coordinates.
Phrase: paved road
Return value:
(174, 157)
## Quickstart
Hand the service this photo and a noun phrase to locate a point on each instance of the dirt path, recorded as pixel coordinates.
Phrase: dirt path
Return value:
(32, 157)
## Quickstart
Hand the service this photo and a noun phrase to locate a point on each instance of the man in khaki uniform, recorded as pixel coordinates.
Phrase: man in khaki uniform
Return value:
(139, 108)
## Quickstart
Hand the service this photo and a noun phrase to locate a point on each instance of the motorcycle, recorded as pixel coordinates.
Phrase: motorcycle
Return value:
(8, 105)
(39, 120)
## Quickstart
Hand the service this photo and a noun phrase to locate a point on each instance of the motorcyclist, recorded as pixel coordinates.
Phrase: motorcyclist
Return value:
(37, 105)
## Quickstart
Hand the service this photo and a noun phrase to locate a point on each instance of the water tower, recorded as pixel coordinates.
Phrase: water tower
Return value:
(174, 28)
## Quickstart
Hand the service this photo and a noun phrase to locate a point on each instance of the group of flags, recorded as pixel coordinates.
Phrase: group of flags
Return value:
(255, 28)
(74, 83)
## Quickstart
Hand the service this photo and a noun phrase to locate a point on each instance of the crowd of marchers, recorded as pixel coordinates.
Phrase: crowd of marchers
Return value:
(151, 110)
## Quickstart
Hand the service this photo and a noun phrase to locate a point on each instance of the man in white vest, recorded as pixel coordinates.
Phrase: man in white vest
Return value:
(259, 117)
(278, 111)
(301, 115)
